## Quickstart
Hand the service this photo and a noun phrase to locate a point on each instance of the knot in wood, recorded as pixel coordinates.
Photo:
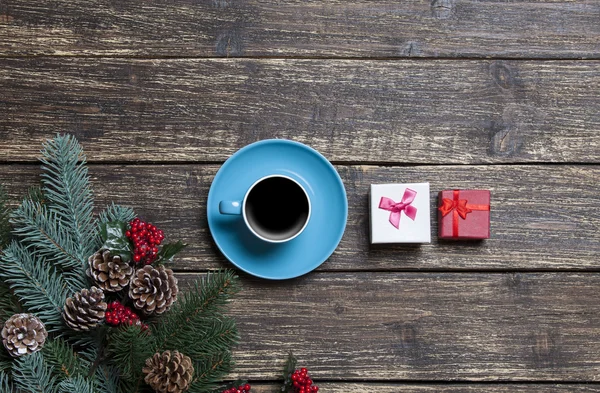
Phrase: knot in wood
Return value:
(442, 9)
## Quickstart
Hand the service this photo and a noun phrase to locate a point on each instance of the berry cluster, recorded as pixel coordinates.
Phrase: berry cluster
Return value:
(145, 238)
(240, 389)
(117, 314)
(302, 382)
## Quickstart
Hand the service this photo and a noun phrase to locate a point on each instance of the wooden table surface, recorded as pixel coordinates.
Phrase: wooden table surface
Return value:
(500, 95)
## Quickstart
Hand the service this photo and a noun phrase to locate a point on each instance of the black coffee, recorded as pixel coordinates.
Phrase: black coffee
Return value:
(277, 208)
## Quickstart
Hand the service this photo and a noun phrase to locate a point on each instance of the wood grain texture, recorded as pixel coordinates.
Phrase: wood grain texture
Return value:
(352, 111)
(357, 28)
(542, 217)
(438, 388)
(421, 326)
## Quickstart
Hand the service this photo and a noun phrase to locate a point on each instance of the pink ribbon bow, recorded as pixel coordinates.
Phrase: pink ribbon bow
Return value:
(397, 208)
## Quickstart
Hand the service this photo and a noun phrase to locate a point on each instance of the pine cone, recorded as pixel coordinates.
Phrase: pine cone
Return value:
(109, 272)
(169, 372)
(23, 334)
(85, 309)
(153, 290)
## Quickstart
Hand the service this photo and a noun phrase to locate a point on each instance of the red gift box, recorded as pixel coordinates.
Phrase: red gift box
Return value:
(464, 214)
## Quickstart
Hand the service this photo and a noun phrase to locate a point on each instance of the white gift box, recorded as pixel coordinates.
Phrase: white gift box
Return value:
(400, 213)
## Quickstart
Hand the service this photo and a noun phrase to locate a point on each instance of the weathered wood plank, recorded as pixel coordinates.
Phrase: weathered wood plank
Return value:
(543, 217)
(438, 388)
(357, 28)
(422, 326)
(352, 111)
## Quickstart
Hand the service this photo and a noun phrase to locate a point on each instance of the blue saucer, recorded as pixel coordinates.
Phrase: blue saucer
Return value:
(320, 237)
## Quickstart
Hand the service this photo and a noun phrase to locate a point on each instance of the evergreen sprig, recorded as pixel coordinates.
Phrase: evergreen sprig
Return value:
(210, 371)
(31, 374)
(6, 384)
(205, 301)
(39, 287)
(76, 384)
(54, 232)
(288, 370)
(4, 219)
(65, 185)
(9, 304)
(112, 213)
(62, 357)
(129, 348)
(41, 229)
(107, 379)
(197, 326)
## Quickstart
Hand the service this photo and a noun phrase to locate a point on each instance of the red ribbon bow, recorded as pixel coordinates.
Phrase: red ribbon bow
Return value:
(396, 208)
(459, 207)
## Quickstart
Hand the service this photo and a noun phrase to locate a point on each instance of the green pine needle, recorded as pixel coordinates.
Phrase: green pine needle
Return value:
(129, 348)
(9, 304)
(76, 384)
(107, 379)
(41, 229)
(39, 287)
(66, 363)
(6, 384)
(67, 191)
(204, 338)
(31, 374)
(35, 194)
(290, 367)
(4, 219)
(209, 372)
(205, 301)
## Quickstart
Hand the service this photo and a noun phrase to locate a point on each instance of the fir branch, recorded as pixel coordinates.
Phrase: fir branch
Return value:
(64, 360)
(205, 301)
(76, 384)
(115, 212)
(202, 338)
(6, 363)
(9, 304)
(290, 367)
(67, 191)
(41, 230)
(6, 384)
(129, 347)
(209, 372)
(107, 379)
(37, 284)
(35, 194)
(4, 219)
(31, 374)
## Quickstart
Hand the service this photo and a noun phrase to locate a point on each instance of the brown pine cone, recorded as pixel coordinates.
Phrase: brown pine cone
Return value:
(85, 309)
(169, 372)
(109, 272)
(153, 290)
(23, 334)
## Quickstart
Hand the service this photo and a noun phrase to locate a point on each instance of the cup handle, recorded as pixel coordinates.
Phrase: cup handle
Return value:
(230, 207)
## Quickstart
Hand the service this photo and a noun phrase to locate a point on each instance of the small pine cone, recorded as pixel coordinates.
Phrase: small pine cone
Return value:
(23, 334)
(169, 372)
(109, 272)
(85, 309)
(153, 290)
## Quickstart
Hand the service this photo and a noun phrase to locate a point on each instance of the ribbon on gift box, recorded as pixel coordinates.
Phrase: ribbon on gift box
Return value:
(397, 208)
(459, 208)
